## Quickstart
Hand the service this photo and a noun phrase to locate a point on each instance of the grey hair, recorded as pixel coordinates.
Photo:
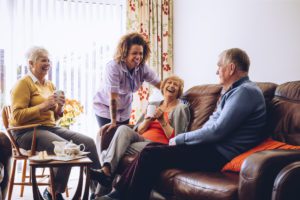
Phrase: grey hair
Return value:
(239, 57)
(35, 52)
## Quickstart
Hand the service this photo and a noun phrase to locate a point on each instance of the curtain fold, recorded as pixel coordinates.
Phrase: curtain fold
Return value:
(153, 19)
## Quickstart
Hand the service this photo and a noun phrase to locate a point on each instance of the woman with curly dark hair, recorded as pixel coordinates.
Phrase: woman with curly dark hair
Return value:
(123, 76)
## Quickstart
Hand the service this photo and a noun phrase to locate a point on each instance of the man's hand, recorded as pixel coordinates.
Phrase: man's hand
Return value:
(106, 128)
(172, 142)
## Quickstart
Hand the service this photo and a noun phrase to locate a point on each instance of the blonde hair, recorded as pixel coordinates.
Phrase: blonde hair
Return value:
(126, 42)
(35, 52)
(175, 78)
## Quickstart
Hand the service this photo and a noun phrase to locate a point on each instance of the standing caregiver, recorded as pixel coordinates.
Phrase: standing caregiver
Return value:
(123, 76)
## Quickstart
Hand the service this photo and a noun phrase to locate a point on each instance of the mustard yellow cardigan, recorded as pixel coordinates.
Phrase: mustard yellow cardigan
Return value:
(25, 96)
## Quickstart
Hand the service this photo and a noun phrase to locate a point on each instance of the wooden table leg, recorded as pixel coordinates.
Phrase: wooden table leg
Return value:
(87, 183)
(52, 184)
(35, 190)
(77, 194)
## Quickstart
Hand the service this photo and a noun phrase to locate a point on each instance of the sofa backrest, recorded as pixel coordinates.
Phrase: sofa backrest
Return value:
(282, 102)
(203, 100)
(285, 113)
(268, 90)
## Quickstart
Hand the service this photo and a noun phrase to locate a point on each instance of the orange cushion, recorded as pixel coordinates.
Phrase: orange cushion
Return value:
(235, 164)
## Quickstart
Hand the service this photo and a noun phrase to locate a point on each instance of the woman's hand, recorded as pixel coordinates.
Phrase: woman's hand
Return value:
(60, 99)
(106, 128)
(159, 115)
(48, 104)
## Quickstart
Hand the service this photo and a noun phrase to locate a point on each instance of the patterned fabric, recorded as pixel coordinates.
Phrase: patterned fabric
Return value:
(153, 19)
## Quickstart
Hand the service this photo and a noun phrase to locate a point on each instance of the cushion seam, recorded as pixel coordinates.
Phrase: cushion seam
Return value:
(198, 186)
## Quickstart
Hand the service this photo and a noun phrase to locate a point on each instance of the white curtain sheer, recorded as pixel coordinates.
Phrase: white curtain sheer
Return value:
(80, 35)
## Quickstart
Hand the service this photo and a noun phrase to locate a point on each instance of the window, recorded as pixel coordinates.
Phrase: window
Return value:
(80, 35)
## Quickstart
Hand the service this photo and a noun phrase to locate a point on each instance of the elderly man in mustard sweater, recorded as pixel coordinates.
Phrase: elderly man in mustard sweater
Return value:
(34, 101)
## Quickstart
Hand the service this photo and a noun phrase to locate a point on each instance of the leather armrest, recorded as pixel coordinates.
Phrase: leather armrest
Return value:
(286, 184)
(5, 151)
(107, 137)
(260, 170)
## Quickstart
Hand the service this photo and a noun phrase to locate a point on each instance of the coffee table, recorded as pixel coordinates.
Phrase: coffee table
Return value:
(83, 163)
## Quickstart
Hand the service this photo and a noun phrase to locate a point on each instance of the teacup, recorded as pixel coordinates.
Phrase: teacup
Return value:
(151, 109)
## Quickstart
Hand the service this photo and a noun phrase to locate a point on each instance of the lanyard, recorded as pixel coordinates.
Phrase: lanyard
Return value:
(131, 82)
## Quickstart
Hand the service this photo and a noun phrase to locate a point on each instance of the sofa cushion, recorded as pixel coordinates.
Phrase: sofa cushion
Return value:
(204, 185)
(125, 162)
(236, 163)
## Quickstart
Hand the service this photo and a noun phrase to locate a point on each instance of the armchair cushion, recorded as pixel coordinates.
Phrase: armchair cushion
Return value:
(235, 164)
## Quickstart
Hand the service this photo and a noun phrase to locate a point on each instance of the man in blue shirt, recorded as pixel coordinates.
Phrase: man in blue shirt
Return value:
(234, 127)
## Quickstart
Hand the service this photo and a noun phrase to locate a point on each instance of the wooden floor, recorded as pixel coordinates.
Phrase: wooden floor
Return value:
(72, 184)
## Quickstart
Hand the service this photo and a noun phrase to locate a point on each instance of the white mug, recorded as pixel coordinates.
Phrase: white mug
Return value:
(58, 93)
(151, 110)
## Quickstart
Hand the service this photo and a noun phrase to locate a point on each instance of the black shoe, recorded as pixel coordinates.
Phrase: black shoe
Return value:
(99, 176)
(47, 195)
(59, 196)
(93, 196)
(115, 195)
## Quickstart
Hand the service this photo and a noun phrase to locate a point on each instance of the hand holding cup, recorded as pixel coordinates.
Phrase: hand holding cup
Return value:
(60, 97)
(150, 112)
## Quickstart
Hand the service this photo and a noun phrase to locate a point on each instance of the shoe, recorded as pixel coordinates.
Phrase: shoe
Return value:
(59, 196)
(47, 195)
(93, 196)
(99, 176)
(115, 195)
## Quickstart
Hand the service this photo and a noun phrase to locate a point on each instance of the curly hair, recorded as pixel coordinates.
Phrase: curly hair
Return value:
(126, 42)
(175, 78)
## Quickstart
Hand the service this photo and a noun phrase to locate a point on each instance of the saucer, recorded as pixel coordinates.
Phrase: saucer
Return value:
(38, 159)
(83, 153)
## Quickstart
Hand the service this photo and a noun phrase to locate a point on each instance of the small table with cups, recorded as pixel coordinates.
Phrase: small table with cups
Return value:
(84, 164)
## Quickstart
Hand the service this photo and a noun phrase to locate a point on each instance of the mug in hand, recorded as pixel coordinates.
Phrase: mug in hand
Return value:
(151, 109)
(59, 93)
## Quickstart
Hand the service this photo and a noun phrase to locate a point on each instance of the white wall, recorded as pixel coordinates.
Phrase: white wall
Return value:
(269, 30)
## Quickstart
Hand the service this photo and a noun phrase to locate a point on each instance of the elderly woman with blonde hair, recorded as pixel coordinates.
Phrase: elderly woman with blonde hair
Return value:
(170, 118)
(34, 101)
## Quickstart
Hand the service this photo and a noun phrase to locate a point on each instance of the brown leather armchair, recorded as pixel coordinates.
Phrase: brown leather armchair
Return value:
(286, 184)
(5, 160)
(256, 178)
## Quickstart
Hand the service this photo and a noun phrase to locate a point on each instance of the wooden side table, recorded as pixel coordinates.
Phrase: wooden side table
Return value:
(83, 163)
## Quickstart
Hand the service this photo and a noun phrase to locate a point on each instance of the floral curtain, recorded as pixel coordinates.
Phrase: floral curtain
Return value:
(153, 19)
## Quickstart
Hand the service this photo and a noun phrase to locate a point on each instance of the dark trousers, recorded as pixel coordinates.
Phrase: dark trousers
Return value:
(102, 121)
(139, 178)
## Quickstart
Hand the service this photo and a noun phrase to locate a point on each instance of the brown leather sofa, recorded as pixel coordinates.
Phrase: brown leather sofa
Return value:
(5, 157)
(256, 178)
(286, 184)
